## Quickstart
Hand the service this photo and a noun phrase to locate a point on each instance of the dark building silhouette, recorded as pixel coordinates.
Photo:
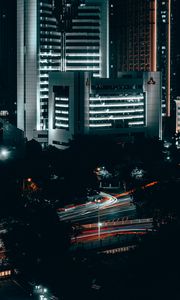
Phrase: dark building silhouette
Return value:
(8, 60)
(134, 32)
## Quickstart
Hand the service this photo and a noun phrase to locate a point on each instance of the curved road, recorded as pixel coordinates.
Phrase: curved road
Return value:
(107, 207)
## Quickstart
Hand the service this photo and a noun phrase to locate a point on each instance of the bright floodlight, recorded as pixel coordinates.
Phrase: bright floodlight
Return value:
(4, 153)
(99, 224)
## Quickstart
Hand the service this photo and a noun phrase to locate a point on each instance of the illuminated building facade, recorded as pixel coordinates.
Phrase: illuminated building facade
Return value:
(68, 106)
(45, 44)
(86, 45)
(38, 53)
(165, 20)
(143, 41)
(177, 101)
(127, 105)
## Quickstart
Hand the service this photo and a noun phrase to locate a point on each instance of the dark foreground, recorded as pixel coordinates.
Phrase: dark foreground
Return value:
(10, 290)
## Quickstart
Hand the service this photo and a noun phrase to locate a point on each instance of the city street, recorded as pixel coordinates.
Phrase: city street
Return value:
(109, 207)
(102, 231)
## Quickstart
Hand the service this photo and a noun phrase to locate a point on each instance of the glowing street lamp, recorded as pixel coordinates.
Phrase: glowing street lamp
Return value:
(99, 223)
(42, 297)
(4, 153)
(99, 230)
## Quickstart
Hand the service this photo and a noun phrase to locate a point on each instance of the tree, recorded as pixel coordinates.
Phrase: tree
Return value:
(33, 149)
(158, 199)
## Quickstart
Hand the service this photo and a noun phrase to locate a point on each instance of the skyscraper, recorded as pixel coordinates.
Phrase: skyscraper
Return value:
(38, 53)
(87, 43)
(135, 34)
(67, 37)
(142, 40)
(165, 19)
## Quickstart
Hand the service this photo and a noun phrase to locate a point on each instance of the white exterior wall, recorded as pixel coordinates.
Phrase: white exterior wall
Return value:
(37, 55)
(20, 65)
(97, 110)
(177, 114)
(78, 99)
(31, 74)
(153, 89)
(27, 66)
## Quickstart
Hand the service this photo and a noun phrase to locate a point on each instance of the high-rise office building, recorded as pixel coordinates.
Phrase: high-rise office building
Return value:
(72, 36)
(142, 40)
(165, 11)
(135, 34)
(38, 53)
(87, 44)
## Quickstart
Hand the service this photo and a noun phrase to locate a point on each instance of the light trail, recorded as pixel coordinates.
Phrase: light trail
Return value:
(91, 235)
(105, 205)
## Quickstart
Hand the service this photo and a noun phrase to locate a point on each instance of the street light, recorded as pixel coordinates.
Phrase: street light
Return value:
(42, 297)
(99, 223)
(4, 153)
(99, 229)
